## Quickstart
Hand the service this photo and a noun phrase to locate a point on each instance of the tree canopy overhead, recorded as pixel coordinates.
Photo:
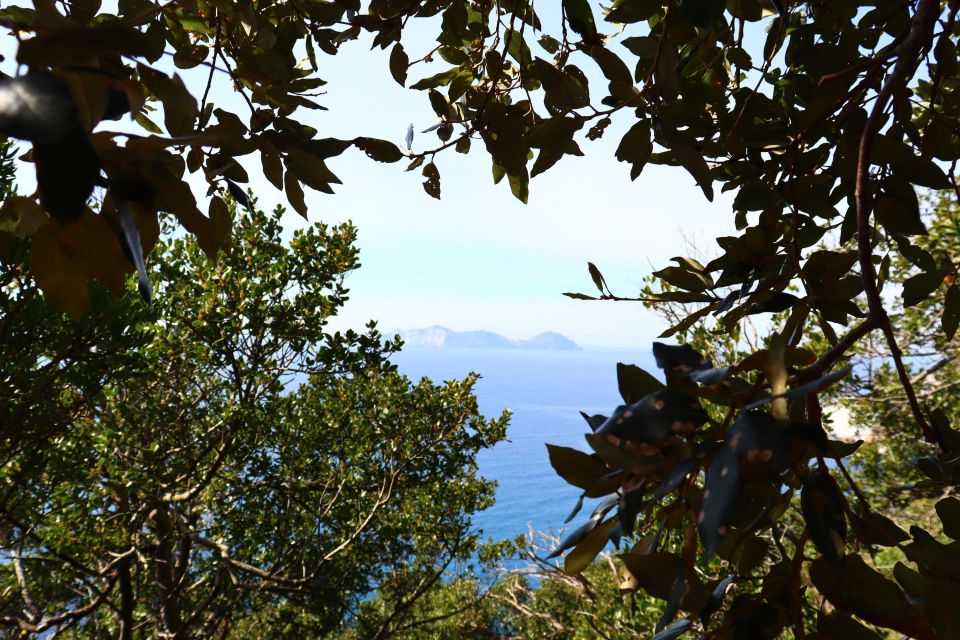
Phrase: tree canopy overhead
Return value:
(823, 119)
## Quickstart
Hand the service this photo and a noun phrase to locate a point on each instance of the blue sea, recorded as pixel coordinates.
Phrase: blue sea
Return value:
(545, 391)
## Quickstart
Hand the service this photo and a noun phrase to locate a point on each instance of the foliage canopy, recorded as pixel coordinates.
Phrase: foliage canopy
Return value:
(822, 118)
(219, 461)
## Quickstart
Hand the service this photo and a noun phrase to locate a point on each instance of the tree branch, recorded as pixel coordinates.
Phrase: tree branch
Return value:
(908, 58)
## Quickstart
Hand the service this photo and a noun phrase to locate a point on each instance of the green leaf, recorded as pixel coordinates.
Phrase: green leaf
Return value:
(517, 48)
(585, 552)
(580, 17)
(441, 79)
(520, 186)
(630, 11)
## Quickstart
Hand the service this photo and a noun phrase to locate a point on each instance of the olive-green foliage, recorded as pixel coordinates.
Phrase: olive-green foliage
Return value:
(535, 600)
(220, 462)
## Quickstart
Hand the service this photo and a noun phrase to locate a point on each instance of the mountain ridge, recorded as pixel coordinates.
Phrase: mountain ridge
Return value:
(441, 337)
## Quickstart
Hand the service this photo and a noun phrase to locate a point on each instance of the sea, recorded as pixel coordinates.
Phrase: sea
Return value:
(545, 392)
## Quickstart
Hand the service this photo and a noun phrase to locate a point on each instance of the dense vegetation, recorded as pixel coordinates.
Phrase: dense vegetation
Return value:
(827, 121)
(218, 463)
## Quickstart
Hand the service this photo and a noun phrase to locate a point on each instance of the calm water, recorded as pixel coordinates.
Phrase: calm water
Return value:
(545, 390)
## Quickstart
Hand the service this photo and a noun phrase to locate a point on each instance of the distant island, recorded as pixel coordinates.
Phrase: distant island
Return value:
(438, 336)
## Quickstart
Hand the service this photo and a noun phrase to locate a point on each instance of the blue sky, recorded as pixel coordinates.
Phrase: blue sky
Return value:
(478, 258)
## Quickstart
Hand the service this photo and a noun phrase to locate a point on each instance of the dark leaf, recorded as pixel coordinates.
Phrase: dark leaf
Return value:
(838, 625)
(630, 503)
(379, 150)
(689, 321)
(711, 377)
(597, 277)
(594, 421)
(67, 170)
(655, 417)
(918, 288)
(762, 517)
(951, 311)
(612, 66)
(576, 509)
(239, 195)
(581, 470)
(781, 301)
(702, 13)
(682, 470)
(574, 538)
(635, 147)
(719, 493)
(432, 183)
(679, 359)
(675, 630)
(133, 249)
(807, 388)
(876, 528)
(654, 572)
(864, 592)
(949, 511)
(760, 441)
(180, 110)
(677, 590)
(399, 63)
(839, 449)
(635, 383)
(37, 107)
(580, 17)
(822, 505)
(716, 600)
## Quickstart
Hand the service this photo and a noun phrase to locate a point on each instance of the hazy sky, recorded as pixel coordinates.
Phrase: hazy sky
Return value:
(478, 258)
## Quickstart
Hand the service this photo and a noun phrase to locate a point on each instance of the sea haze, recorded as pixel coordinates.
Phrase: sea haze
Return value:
(545, 390)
